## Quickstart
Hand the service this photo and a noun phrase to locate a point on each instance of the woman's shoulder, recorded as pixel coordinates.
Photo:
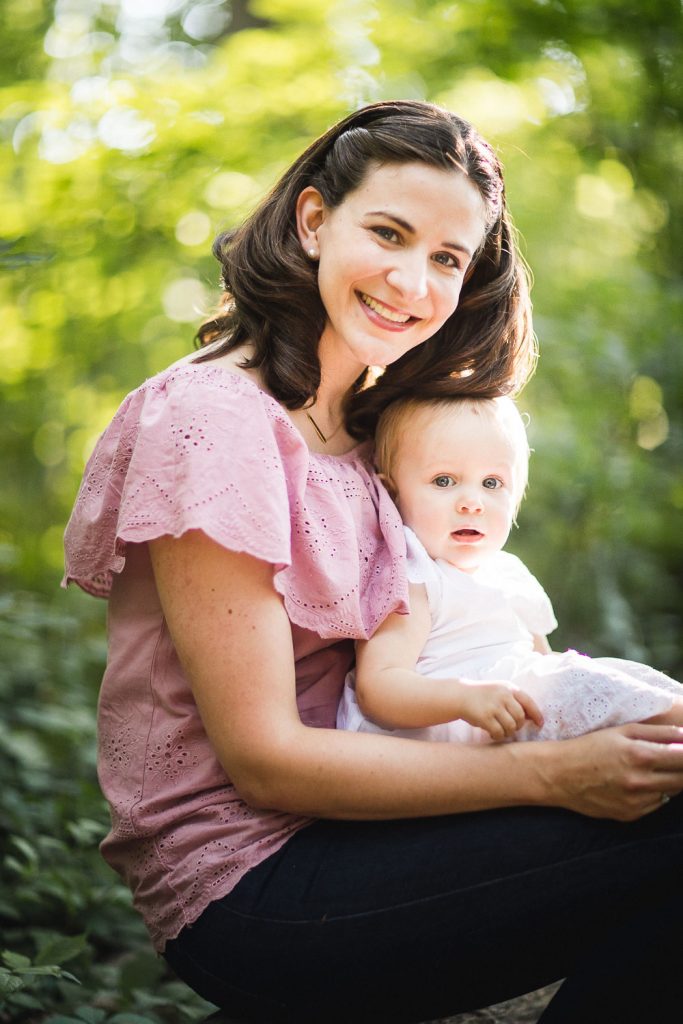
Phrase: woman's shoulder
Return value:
(198, 446)
(193, 446)
(191, 407)
(189, 378)
(231, 400)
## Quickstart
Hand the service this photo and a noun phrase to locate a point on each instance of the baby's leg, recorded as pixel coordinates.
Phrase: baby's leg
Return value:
(672, 717)
(577, 695)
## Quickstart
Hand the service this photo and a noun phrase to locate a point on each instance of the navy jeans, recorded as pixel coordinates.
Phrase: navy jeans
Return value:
(397, 922)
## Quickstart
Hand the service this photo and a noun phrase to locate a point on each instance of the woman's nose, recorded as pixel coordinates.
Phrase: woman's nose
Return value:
(409, 276)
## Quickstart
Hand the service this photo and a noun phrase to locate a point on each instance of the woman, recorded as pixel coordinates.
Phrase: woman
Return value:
(289, 871)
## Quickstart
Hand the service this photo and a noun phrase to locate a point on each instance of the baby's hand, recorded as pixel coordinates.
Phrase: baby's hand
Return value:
(498, 709)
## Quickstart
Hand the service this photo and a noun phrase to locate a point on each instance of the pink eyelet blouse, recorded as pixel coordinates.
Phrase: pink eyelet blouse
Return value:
(200, 447)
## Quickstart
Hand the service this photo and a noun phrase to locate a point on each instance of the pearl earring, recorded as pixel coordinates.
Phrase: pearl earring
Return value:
(313, 253)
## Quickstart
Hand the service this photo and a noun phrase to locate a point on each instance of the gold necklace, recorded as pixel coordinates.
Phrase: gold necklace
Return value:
(319, 431)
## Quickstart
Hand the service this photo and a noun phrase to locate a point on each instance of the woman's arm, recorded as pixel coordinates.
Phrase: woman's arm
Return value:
(234, 639)
(390, 692)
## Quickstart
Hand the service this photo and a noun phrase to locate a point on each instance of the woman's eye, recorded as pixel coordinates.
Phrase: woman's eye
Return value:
(447, 260)
(443, 481)
(388, 234)
(491, 482)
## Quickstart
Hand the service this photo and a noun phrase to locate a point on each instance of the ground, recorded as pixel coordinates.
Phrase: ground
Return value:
(523, 1010)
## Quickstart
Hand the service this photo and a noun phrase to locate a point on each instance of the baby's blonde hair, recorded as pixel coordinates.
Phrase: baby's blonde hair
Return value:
(395, 420)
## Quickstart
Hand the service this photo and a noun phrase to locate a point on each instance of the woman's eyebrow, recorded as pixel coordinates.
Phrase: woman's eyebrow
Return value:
(457, 246)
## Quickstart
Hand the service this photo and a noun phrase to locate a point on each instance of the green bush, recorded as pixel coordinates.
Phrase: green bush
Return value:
(60, 903)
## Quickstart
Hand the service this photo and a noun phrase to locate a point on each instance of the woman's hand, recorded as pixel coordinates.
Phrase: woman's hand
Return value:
(620, 773)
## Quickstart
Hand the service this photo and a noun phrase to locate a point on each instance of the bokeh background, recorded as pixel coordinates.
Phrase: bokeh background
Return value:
(131, 132)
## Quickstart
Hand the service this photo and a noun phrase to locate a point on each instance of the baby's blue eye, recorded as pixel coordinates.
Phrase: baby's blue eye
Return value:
(443, 481)
(491, 483)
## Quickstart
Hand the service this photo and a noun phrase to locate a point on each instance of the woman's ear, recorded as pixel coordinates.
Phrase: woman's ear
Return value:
(310, 213)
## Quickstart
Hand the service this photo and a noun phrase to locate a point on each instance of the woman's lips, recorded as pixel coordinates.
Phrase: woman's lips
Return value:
(374, 313)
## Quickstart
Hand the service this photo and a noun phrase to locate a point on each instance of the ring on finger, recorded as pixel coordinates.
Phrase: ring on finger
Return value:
(664, 798)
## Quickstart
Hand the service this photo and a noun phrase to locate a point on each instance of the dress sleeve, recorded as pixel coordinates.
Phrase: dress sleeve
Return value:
(421, 568)
(199, 448)
(183, 453)
(528, 598)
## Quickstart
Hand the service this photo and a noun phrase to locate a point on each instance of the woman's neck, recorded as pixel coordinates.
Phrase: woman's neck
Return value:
(321, 423)
(325, 414)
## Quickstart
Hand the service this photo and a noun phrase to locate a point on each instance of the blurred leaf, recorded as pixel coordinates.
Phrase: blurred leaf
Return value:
(9, 983)
(90, 1015)
(15, 961)
(130, 1018)
(60, 949)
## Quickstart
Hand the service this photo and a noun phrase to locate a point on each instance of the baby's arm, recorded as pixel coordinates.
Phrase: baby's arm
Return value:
(672, 717)
(390, 692)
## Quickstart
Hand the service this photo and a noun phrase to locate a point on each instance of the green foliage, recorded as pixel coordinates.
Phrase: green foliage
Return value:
(125, 149)
(59, 903)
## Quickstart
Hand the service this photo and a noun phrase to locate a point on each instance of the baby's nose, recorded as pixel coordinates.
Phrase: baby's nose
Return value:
(470, 502)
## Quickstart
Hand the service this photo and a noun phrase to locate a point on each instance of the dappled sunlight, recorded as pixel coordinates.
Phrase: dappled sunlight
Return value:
(155, 126)
(351, 23)
(185, 300)
(124, 128)
(497, 107)
(595, 198)
(193, 228)
(230, 190)
(598, 196)
(647, 409)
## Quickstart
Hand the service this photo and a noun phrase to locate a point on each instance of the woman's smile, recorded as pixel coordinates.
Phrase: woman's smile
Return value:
(386, 316)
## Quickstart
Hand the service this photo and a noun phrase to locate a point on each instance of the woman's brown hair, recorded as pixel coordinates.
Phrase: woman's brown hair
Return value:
(271, 297)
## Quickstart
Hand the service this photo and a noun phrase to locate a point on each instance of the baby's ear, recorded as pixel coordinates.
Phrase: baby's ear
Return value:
(389, 484)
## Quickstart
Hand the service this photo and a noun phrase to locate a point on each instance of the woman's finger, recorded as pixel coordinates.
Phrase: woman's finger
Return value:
(663, 734)
(655, 805)
(661, 759)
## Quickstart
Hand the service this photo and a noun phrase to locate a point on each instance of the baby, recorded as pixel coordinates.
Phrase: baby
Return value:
(471, 662)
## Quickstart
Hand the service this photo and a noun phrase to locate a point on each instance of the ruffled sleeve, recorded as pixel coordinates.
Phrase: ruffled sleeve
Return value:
(422, 568)
(198, 447)
(527, 597)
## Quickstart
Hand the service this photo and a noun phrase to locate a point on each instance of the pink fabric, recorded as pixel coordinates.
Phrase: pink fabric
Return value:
(199, 447)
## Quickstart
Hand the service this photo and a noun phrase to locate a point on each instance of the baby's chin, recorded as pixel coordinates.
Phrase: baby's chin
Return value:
(462, 566)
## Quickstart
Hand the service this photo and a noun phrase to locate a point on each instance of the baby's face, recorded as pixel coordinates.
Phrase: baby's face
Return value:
(455, 478)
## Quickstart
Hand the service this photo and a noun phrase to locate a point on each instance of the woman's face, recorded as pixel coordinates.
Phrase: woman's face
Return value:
(393, 257)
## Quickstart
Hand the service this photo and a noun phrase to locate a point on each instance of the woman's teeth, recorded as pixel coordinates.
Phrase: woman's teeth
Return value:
(388, 314)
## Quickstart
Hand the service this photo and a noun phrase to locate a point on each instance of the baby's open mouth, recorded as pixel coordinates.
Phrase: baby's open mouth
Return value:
(467, 534)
